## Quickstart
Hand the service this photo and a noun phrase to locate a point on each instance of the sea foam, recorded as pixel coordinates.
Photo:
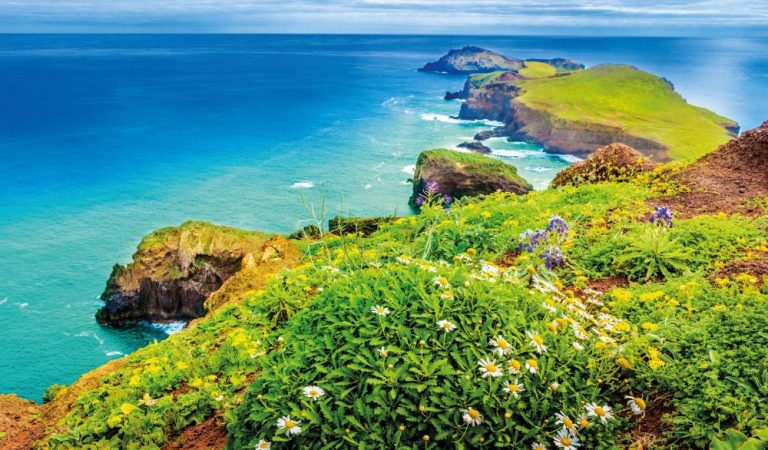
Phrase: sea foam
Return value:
(450, 119)
(303, 185)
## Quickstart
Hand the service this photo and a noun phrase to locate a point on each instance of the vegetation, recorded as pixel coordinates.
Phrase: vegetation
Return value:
(473, 162)
(535, 69)
(471, 327)
(637, 101)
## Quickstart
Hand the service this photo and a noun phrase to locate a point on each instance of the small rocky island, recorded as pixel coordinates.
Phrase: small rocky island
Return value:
(570, 109)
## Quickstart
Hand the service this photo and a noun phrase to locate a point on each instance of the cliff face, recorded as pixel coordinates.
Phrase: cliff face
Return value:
(174, 271)
(460, 174)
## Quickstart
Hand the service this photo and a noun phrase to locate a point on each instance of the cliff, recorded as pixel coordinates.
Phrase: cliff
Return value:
(460, 174)
(174, 270)
(578, 112)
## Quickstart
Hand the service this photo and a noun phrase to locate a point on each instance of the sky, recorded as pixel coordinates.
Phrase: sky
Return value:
(616, 17)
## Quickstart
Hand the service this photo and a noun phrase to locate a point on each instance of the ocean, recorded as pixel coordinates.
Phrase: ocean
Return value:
(104, 138)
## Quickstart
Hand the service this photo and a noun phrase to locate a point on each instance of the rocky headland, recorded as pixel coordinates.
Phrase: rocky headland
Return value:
(176, 269)
(568, 109)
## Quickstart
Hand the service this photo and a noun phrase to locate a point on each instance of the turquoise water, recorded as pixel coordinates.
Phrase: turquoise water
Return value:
(104, 138)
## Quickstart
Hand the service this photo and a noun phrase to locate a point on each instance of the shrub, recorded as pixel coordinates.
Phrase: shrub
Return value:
(421, 355)
(654, 255)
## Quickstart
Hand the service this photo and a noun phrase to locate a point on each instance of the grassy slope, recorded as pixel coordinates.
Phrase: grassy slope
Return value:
(637, 101)
(534, 69)
(476, 163)
(172, 384)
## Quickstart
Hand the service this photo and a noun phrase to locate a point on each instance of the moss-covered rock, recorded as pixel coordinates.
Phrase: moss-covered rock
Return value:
(460, 174)
(615, 162)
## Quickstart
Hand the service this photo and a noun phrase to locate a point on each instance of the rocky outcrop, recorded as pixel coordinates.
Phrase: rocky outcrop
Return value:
(476, 147)
(457, 174)
(615, 162)
(471, 59)
(174, 270)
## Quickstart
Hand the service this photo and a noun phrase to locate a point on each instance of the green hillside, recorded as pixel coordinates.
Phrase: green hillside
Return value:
(628, 98)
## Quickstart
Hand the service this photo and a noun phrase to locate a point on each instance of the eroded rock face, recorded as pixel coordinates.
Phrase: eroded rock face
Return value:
(462, 174)
(174, 270)
(615, 162)
(472, 59)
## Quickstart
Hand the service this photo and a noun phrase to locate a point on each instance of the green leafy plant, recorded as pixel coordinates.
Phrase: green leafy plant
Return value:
(654, 255)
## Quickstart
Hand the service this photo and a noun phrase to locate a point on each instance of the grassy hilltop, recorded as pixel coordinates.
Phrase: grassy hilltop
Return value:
(463, 328)
(579, 111)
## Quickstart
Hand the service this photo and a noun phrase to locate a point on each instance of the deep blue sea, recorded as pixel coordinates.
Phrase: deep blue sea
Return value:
(104, 138)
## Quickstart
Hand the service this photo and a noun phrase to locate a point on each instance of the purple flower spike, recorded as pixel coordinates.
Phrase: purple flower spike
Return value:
(447, 200)
(557, 225)
(432, 187)
(662, 216)
(532, 239)
(553, 257)
(419, 201)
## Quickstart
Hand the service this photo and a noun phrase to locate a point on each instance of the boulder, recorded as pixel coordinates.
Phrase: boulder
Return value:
(449, 175)
(614, 162)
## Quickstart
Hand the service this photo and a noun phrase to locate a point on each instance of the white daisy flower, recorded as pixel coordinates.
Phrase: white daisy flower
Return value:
(383, 352)
(501, 345)
(636, 404)
(566, 440)
(472, 416)
(602, 412)
(531, 365)
(442, 283)
(554, 386)
(538, 446)
(313, 392)
(289, 425)
(263, 445)
(579, 332)
(380, 310)
(578, 347)
(537, 342)
(514, 388)
(514, 366)
(566, 422)
(446, 295)
(446, 326)
(489, 368)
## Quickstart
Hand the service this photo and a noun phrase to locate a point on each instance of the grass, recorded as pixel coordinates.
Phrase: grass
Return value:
(481, 79)
(625, 97)
(688, 343)
(534, 69)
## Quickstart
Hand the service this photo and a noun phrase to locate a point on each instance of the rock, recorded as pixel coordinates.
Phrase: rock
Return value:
(452, 95)
(362, 225)
(459, 174)
(615, 162)
(487, 134)
(472, 60)
(476, 147)
(175, 269)
(308, 232)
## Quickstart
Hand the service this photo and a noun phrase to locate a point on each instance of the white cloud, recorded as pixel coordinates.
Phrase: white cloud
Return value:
(379, 15)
